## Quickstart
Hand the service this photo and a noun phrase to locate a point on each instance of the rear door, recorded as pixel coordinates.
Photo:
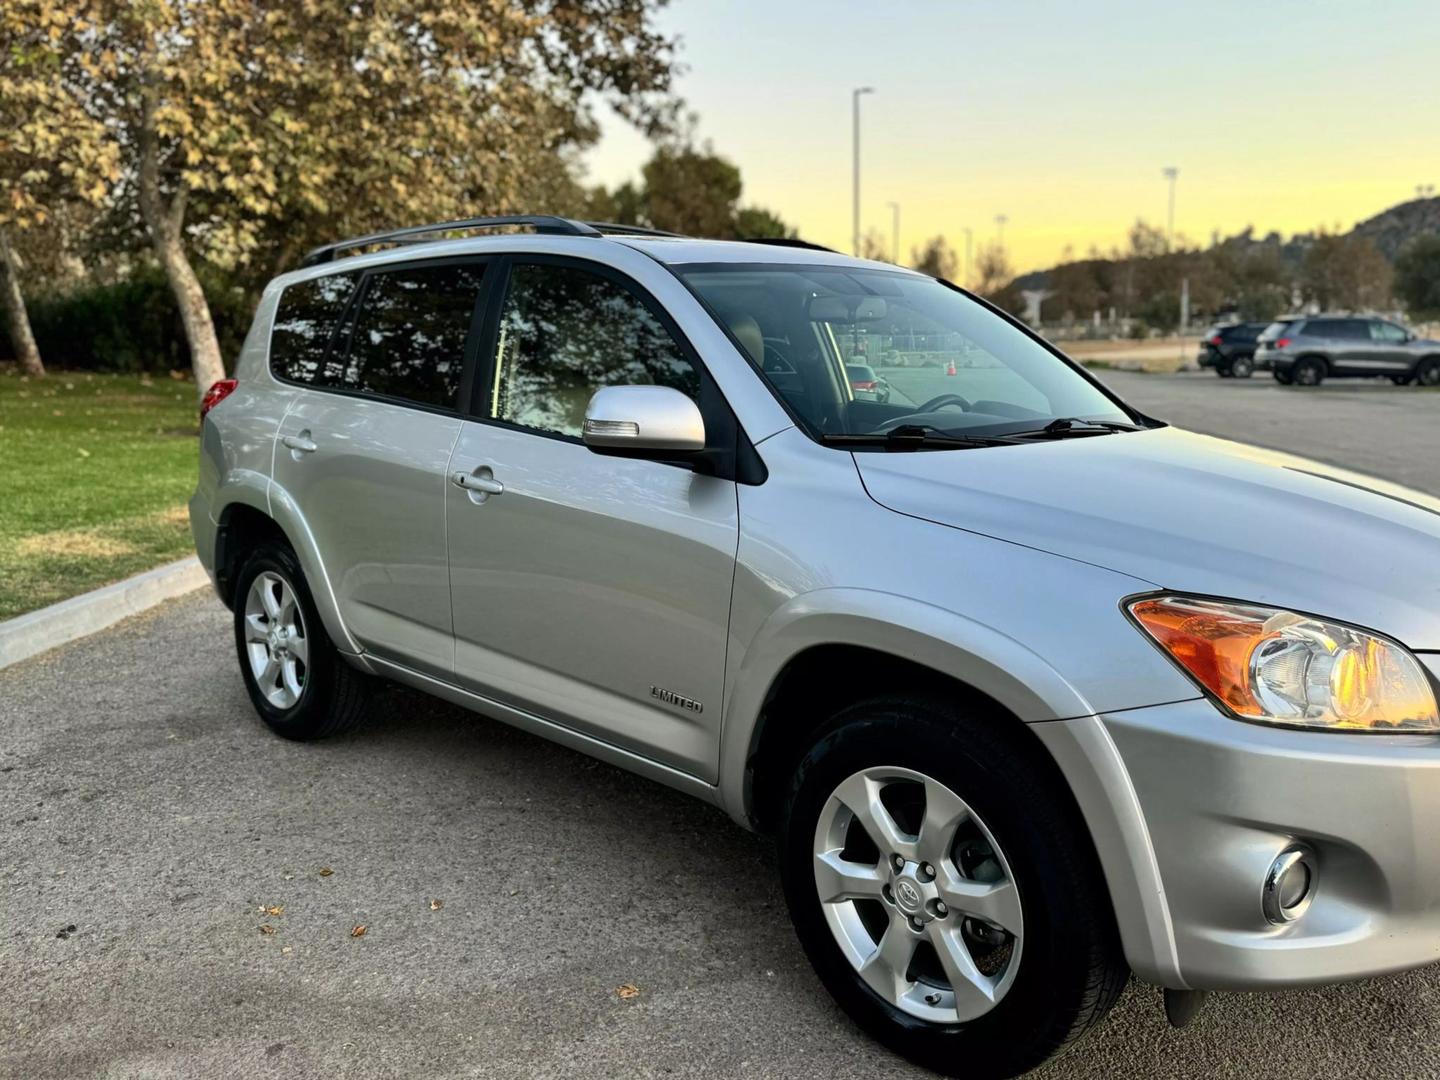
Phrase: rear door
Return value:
(363, 452)
(591, 591)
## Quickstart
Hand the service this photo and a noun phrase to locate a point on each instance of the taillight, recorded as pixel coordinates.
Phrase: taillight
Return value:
(1216, 340)
(862, 385)
(216, 394)
(1280, 343)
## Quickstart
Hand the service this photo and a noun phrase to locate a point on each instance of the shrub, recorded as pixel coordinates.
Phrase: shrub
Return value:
(131, 325)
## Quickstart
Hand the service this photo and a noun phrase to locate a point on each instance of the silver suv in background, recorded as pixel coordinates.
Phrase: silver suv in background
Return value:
(1307, 351)
(1032, 690)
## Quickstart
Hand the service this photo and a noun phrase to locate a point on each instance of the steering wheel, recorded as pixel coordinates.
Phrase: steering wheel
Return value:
(942, 401)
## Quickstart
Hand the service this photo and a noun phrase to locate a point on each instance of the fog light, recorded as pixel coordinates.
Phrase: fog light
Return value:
(1289, 886)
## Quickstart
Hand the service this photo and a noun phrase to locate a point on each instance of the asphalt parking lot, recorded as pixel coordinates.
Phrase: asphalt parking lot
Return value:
(179, 890)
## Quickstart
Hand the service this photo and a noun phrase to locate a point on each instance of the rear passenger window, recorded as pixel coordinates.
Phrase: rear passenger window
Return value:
(565, 333)
(410, 332)
(305, 321)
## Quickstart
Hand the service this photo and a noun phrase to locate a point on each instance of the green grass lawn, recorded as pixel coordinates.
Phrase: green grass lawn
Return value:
(94, 474)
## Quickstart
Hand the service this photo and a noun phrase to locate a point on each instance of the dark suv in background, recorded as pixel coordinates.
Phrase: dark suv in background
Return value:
(1308, 351)
(1230, 349)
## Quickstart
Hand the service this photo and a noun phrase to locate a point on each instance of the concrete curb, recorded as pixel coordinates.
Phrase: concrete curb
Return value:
(38, 631)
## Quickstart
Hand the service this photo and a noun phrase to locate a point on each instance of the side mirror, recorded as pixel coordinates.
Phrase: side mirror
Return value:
(643, 421)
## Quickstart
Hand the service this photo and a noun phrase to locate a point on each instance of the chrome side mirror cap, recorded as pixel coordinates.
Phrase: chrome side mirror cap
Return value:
(643, 421)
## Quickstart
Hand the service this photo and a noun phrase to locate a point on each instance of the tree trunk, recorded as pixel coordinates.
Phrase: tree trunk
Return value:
(165, 224)
(16, 317)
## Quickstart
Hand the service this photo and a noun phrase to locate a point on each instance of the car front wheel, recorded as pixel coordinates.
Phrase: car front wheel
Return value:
(297, 681)
(1427, 373)
(1242, 367)
(943, 891)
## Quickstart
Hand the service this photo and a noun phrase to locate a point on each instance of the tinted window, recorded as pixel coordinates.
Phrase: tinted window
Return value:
(564, 333)
(409, 335)
(305, 321)
(1323, 328)
(1389, 333)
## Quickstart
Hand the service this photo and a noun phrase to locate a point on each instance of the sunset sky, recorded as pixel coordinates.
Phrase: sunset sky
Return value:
(1280, 114)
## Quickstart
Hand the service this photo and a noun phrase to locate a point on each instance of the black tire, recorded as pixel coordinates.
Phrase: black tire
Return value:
(334, 695)
(1427, 372)
(1071, 968)
(1402, 380)
(1242, 367)
(1282, 377)
(1308, 371)
(1223, 370)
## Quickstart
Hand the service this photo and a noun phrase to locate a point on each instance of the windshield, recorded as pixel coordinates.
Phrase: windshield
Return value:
(947, 363)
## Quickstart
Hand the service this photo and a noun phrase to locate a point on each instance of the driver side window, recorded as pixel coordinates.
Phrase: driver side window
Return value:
(567, 332)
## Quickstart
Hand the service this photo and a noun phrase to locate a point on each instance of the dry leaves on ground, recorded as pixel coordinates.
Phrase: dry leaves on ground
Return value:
(359, 931)
(436, 905)
(628, 991)
(325, 871)
(267, 929)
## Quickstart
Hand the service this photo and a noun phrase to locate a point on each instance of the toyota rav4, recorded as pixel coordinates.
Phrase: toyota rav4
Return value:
(1033, 690)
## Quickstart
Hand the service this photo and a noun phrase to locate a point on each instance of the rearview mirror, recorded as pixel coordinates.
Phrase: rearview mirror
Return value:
(643, 421)
(846, 309)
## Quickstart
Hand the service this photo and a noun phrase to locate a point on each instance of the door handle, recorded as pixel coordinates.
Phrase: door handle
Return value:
(298, 443)
(485, 485)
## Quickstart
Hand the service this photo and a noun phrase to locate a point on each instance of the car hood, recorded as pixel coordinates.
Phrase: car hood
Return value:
(1195, 514)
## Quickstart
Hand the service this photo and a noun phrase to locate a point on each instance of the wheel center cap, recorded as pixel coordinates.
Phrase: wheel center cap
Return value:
(908, 897)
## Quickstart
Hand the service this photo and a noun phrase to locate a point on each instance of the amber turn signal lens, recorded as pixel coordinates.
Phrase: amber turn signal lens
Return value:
(1281, 667)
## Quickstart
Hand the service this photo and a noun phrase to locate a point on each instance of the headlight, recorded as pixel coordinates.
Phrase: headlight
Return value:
(1282, 668)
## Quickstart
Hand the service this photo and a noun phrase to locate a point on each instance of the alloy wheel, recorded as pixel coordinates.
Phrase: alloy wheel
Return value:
(918, 895)
(276, 644)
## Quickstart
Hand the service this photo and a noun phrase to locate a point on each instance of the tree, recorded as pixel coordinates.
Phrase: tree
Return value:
(993, 267)
(39, 173)
(935, 257)
(1417, 277)
(242, 123)
(873, 245)
(691, 190)
(757, 223)
(1346, 272)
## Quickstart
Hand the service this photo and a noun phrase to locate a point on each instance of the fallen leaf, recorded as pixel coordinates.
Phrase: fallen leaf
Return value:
(359, 931)
(628, 991)
(276, 910)
(286, 949)
(325, 871)
(267, 929)
(436, 905)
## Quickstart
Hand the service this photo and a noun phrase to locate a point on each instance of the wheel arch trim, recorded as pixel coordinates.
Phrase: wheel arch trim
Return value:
(270, 499)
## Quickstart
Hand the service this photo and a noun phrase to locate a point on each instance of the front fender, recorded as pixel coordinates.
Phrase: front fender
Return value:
(951, 644)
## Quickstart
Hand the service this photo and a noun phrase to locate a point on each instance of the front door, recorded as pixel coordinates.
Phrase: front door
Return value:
(592, 591)
(363, 453)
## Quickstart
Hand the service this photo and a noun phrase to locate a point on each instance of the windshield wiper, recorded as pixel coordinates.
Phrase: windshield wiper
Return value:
(919, 437)
(1066, 426)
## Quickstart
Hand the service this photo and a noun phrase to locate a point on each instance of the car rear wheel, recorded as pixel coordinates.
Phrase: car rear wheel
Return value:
(1427, 373)
(1402, 380)
(297, 681)
(1242, 367)
(1308, 371)
(1284, 378)
(942, 888)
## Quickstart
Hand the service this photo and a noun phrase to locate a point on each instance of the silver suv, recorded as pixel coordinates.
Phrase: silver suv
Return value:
(1034, 691)
(1306, 351)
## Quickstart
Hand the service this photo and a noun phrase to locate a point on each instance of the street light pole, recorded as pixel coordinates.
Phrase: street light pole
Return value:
(1171, 172)
(855, 131)
(895, 207)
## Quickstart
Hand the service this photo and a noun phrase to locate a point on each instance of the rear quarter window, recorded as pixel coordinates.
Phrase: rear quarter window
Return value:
(305, 322)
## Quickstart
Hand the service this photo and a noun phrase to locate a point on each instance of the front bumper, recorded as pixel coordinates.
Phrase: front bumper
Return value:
(1218, 800)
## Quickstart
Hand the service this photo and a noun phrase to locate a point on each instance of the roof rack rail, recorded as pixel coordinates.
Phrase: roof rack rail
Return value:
(790, 241)
(628, 230)
(541, 223)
